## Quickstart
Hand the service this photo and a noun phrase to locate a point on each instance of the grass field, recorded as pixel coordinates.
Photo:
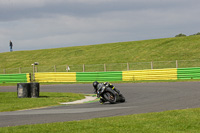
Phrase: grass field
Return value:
(10, 102)
(167, 49)
(177, 121)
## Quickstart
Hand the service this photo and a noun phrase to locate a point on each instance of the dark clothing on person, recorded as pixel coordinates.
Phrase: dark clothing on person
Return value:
(11, 45)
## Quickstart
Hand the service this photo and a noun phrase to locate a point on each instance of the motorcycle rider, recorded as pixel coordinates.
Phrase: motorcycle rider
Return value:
(95, 85)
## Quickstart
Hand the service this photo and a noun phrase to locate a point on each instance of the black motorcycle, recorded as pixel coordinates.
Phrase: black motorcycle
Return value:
(108, 94)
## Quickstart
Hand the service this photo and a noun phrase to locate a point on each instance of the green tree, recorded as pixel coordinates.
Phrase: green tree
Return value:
(180, 35)
(197, 33)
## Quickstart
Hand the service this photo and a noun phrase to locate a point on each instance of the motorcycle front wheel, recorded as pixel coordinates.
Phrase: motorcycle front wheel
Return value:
(110, 97)
(122, 98)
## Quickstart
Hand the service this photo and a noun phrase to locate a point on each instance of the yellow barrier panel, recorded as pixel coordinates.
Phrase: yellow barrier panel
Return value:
(55, 77)
(154, 74)
(28, 77)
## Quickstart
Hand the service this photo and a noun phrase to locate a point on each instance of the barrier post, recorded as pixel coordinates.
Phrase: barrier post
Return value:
(152, 65)
(33, 72)
(83, 67)
(35, 63)
(127, 66)
(36, 69)
(54, 68)
(19, 69)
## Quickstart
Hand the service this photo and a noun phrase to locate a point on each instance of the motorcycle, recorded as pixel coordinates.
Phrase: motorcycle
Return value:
(108, 94)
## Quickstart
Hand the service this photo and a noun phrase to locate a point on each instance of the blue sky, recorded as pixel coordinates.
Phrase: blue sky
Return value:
(43, 24)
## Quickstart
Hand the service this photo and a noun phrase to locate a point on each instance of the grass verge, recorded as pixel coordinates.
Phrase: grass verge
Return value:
(10, 102)
(187, 120)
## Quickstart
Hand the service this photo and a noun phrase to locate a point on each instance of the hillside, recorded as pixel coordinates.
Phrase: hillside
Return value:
(167, 49)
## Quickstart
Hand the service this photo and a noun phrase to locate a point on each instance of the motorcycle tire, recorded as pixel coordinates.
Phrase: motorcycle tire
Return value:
(110, 97)
(122, 98)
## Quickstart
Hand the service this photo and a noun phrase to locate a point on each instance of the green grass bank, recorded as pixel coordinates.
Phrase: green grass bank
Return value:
(166, 49)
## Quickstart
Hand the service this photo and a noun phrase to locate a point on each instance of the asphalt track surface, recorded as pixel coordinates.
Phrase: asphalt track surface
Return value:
(140, 98)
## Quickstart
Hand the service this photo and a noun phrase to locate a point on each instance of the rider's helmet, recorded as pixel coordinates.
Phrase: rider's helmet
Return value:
(95, 83)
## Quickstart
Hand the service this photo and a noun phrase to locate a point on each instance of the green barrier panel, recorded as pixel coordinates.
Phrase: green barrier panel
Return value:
(98, 76)
(188, 73)
(14, 78)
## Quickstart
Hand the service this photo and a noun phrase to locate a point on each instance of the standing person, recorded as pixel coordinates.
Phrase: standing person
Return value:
(11, 45)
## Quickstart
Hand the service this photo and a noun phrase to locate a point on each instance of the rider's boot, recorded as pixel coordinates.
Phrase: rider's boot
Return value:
(101, 100)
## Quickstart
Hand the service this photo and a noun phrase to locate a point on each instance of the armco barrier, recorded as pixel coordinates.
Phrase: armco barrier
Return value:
(15, 78)
(98, 76)
(55, 77)
(153, 74)
(188, 73)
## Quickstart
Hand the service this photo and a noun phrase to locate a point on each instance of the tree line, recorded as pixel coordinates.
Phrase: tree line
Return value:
(182, 35)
